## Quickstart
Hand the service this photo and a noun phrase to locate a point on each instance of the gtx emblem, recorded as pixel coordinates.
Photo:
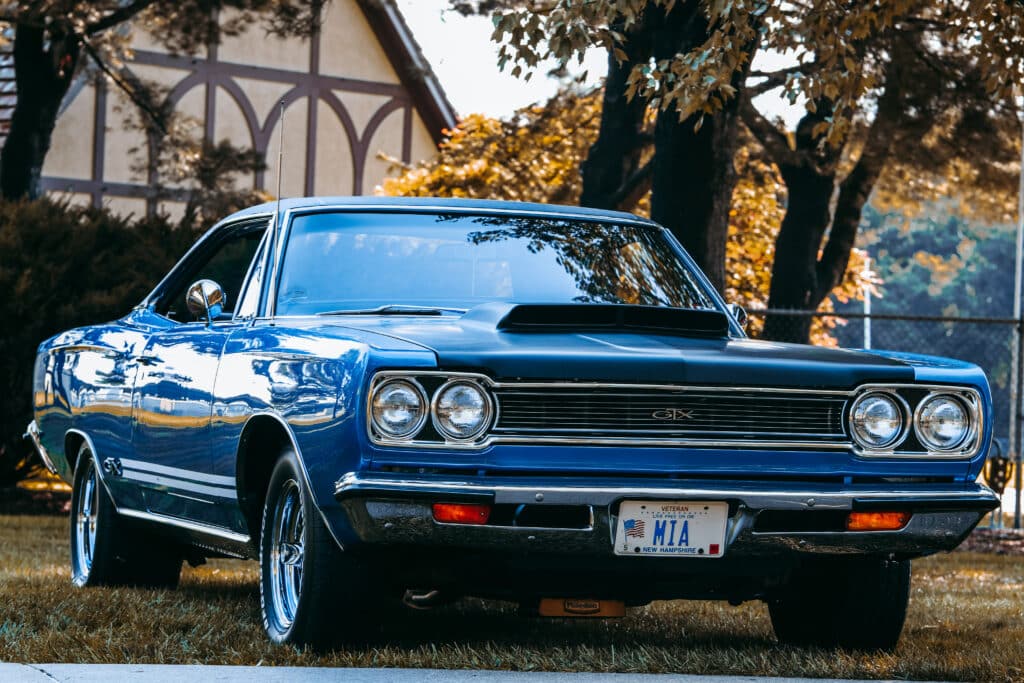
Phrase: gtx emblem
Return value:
(674, 414)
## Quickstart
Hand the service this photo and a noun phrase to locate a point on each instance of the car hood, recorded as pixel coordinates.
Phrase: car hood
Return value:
(478, 342)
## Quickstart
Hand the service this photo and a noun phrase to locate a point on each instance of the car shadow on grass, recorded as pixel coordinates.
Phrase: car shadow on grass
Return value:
(471, 622)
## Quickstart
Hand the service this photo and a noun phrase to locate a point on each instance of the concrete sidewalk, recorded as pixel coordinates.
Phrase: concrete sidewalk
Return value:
(160, 673)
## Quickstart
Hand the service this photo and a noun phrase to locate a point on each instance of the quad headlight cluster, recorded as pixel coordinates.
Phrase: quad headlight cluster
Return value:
(459, 409)
(916, 421)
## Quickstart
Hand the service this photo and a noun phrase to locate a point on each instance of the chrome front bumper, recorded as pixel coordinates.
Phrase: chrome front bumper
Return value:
(395, 509)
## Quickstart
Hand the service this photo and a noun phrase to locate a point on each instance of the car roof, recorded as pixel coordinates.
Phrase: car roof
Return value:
(439, 203)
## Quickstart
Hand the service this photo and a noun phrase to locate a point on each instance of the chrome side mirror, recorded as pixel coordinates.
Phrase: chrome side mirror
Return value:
(738, 314)
(205, 298)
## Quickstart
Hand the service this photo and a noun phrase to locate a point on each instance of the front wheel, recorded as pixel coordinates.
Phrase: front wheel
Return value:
(856, 604)
(310, 590)
(107, 551)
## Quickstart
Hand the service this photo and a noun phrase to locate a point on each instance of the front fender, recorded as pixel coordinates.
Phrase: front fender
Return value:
(311, 384)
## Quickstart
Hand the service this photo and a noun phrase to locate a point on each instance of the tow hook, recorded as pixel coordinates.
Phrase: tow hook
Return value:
(425, 599)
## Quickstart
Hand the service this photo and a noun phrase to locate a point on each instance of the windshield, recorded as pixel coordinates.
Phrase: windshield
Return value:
(358, 261)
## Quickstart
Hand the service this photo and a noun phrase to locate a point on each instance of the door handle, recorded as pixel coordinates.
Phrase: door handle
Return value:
(145, 360)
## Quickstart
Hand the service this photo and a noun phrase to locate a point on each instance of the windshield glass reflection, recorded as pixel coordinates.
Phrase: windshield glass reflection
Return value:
(342, 261)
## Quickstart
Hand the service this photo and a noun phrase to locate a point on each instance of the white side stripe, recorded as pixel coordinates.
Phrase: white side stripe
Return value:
(171, 482)
(143, 466)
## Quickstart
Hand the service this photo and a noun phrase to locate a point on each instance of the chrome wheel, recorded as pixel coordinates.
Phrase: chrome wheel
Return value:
(85, 520)
(286, 553)
(306, 580)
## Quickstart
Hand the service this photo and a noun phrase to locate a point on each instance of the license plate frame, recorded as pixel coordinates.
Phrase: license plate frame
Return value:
(671, 528)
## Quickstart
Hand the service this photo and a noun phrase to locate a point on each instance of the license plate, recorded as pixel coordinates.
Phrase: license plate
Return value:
(676, 529)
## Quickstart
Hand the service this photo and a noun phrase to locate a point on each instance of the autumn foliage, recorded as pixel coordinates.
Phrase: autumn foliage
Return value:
(535, 156)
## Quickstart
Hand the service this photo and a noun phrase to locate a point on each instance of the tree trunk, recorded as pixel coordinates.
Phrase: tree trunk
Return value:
(44, 66)
(800, 280)
(692, 184)
(693, 172)
(615, 155)
(853, 195)
(794, 273)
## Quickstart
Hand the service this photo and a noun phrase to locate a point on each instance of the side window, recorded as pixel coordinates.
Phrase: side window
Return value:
(250, 298)
(226, 264)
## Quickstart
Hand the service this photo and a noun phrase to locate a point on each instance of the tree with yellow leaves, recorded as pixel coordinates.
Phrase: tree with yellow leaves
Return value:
(921, 90)
(536, 154)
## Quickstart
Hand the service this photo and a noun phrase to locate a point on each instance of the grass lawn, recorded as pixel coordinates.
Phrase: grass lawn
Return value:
(966, 623)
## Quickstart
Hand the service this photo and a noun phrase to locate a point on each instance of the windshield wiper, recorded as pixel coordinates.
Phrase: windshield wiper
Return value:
(395, 309)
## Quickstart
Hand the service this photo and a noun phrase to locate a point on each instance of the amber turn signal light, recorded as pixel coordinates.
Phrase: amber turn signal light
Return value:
(876, 521)
(462, 513)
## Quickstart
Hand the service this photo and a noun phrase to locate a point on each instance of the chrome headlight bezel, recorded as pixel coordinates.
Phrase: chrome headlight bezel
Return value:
(902, 410)
(427, 434)
(920, 430)
(914, 448)
(486, 419)
(417, 426)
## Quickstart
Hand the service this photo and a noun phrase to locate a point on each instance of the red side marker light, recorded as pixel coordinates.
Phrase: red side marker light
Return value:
(876, 521)
(462, 513)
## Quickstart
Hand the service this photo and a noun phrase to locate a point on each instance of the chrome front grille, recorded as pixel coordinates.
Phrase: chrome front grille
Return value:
(687, 414)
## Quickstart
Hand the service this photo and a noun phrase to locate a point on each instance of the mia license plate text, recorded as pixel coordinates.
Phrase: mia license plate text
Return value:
(679, 529)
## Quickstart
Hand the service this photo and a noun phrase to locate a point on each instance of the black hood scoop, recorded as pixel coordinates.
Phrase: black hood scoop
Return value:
(624, 344)
(548, 318)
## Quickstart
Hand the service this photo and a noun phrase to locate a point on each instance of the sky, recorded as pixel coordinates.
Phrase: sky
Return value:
(466, 62)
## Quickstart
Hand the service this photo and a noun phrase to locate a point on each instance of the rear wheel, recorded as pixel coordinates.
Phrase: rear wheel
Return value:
(105, 549)
(310, 590)
(853, 604)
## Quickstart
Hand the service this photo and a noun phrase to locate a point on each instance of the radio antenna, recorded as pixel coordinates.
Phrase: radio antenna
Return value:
(276, 233)
(280, 172)
(280, 160)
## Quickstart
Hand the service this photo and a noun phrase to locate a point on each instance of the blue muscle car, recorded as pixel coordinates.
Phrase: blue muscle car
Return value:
(548, 405)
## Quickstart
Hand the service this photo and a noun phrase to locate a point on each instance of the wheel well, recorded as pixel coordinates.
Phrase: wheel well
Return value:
(72, 443)
(261, 443)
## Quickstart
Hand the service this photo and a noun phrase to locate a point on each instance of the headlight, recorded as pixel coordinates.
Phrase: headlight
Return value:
(399, 408)
(876, 420)
(942, 422)
(461, 410)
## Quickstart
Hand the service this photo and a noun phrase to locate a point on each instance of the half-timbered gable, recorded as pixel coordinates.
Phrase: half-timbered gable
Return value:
(358, 87)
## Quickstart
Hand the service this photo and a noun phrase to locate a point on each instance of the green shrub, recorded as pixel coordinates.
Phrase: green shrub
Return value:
(62, 267)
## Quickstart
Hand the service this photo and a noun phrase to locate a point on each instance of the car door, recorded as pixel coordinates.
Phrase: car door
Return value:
(173, 394)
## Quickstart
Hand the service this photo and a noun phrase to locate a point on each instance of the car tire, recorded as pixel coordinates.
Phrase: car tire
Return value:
(310, 590)
(106, 550)
(852, 604)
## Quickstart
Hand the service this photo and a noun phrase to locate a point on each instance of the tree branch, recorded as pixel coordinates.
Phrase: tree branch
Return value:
(127, 88)
(764, 86)
(923, 23)
(773, 79)
(118, 16)
(633, 188)
(770, 137)
(779, 72)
